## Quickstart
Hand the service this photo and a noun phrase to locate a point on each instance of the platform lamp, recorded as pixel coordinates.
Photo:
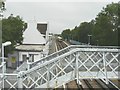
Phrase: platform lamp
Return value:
(3, 63)
(3, 45)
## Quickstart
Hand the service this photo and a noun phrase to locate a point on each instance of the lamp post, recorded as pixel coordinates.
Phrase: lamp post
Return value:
(89, 38)
(3, 63)
(3, 45)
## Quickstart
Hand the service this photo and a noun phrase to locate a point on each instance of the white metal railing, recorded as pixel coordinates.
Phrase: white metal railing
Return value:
(65, 50)
(2, 73)
(22, 67)
(75, 62)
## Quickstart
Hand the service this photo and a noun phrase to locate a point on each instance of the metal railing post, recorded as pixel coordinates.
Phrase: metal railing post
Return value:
(0, 85)
(77, 71)
(48, 77)
(28, 65)
(3, 73)
(72, 74)
(20, 80)
(56, 71)
(105, 68)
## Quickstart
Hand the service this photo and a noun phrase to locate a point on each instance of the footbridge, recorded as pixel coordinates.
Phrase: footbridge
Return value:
(74, 62)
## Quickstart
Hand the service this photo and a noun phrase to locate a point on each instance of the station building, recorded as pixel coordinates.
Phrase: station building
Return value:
(35, 44)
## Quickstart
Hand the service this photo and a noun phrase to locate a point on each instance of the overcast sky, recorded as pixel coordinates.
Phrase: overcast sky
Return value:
(60, 15)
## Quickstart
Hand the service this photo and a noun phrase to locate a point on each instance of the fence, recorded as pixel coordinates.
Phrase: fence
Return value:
(73, 62)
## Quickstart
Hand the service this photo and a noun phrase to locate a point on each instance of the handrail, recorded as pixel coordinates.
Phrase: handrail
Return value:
(47, 58)
(1, 66)
(68, 53)
(23, 67)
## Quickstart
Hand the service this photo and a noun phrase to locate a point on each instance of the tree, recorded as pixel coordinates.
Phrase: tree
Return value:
(119, 24)
(74, 34)
(106, 27)
(81, 32)
(85, 29)
(12, 30)
(66, 34)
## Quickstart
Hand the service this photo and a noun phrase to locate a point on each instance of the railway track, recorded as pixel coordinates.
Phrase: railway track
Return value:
(90, 85)
(116, 82)
(97, 84)
(60, 45)
(101, 84)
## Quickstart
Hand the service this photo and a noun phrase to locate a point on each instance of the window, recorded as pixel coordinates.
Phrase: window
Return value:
(32, 57)
(24, 57)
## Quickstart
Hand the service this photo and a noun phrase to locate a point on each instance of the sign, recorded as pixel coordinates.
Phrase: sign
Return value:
(13, 59)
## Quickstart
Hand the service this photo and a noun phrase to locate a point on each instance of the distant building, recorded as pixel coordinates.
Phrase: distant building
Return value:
(34, 44)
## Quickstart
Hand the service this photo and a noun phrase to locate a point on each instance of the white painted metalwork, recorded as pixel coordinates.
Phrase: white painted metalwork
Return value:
(73, 62)
(65, 50)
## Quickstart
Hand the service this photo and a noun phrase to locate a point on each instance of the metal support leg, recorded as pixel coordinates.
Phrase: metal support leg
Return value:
(20, 82)
(64, 86)
(105, 68)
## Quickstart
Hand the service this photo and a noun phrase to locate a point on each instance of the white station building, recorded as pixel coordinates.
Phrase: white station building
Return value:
(35, 45)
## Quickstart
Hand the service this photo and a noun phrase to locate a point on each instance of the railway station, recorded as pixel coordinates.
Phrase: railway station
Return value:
(52, 62)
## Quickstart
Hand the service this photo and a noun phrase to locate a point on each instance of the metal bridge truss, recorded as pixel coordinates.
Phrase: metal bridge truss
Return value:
(73, 62)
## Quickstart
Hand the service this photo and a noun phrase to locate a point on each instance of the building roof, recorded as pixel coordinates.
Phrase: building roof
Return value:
(30, 47)
(31, 35)
(42, 22)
